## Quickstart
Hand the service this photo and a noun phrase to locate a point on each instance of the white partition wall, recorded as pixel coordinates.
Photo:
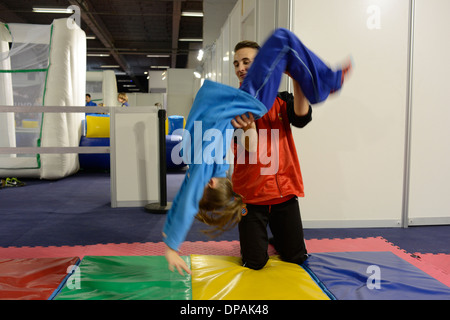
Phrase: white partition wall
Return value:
(352, 153)
(180, 91)
(235, 21)
(249, 20)
(138, 99)
(134, 156)
(376, 154)
(430, 125)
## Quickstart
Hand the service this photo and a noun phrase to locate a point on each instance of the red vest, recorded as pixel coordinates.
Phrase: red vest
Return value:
(286, 181)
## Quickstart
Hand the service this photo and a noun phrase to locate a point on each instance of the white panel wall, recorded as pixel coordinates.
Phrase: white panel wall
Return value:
(180, 91)
(430, 139)
(235, 36)
(249, 20)
(267, 19)
(137, 99)
(352, 153)
(134, 157)
(283, 14)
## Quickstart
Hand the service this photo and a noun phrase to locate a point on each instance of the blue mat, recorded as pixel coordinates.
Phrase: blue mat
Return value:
(373, 276)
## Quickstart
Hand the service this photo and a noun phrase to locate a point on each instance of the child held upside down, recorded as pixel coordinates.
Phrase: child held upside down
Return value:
(206, 193)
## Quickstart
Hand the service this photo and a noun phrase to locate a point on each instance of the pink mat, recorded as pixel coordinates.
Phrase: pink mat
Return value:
(440, 261)
(437, 266)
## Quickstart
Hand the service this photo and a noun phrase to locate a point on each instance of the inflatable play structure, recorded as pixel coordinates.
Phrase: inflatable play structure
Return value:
(39, 66)
(96, 133)
(102, 86)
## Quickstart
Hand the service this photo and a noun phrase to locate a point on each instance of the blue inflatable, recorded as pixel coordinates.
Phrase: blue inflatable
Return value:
(95, 161)
(171, 142)
(175, 122)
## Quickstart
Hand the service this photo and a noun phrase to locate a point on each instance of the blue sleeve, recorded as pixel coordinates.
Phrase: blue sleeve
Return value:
(186, 204)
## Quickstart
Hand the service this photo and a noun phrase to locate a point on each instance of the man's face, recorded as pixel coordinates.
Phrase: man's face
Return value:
(243, 59)
(88, 99)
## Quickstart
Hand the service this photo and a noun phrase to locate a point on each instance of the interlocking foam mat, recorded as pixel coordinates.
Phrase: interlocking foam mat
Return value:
(436, 265)
(324, 276)
(342, 269)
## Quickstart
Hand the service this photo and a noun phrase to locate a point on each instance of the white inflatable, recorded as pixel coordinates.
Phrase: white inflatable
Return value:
(102, 86)
(41, 65)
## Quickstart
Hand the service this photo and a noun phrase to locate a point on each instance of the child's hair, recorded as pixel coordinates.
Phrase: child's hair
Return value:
(220, 208)
(123, 95)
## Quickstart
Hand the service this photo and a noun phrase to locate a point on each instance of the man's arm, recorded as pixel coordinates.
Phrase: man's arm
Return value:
(301, 104)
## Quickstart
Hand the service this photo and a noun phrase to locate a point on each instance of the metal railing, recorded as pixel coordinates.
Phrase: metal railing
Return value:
(53, 150)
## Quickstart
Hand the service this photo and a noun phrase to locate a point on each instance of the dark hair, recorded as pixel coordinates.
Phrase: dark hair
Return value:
(246, 44)
(220, 208)
(88, 95)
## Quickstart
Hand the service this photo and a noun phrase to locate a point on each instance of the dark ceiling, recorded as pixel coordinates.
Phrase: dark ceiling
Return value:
(128, 30)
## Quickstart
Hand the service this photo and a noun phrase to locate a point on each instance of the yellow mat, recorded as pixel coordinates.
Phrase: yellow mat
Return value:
(224, 278)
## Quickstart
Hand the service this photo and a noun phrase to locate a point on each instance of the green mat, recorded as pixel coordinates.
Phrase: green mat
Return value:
(126, 278)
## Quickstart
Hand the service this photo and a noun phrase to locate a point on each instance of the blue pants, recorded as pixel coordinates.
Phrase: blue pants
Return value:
(283, 51)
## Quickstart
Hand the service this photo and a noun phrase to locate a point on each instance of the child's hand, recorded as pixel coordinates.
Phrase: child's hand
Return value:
(175, 261)
(243, 121)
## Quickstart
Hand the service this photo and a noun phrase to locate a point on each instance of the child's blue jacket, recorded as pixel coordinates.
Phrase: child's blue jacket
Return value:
(206, 140)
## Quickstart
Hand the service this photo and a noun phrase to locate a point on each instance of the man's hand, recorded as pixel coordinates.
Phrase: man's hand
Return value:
(175, 261)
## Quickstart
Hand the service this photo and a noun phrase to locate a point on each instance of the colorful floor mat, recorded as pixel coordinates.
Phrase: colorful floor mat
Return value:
(353, 269)
(33, 279)
(374, 276)
(126, 278)
(224, 278)
(324, 276)
(438, 266)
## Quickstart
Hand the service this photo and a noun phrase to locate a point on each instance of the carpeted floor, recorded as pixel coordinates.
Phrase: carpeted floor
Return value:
(77, 211)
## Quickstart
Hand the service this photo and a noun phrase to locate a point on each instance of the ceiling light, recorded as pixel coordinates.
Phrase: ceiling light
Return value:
(191, 39)
(197, 74)
(159, 67)
(53, 10)
(192, 14)
(158, 56)
(110, 66)
(200, 55)
(98, 54)
(90, 38)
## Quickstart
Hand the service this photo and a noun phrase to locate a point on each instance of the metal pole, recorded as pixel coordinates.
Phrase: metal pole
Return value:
(407, 173)
(163, 206)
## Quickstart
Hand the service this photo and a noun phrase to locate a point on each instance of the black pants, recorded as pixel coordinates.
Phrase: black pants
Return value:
(286, 226)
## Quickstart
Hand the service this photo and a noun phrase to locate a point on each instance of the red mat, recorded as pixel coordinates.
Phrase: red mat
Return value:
(437, 266)
(32, 278)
